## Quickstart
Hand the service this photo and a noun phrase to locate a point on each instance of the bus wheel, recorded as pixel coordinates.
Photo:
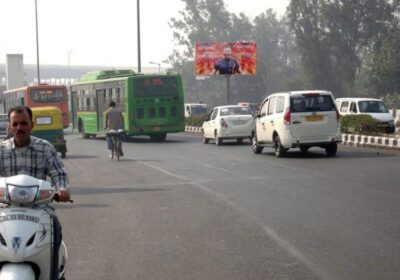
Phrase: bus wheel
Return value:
(158, 137)
(84, 134)
(81, 129)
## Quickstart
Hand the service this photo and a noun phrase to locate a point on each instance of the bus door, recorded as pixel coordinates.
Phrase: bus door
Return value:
(100, 108)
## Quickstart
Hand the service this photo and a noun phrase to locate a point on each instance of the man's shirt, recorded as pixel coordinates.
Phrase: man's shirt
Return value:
(39, 159)
(227, 66)
(114, 119)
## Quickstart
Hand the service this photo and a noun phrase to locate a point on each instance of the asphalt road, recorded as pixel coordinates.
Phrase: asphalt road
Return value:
(185, 210)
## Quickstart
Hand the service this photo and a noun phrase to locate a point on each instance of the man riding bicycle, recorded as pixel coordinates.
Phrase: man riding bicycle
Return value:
(114, 121)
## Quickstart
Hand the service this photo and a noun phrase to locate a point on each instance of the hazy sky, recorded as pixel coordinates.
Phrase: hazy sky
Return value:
(99, 32)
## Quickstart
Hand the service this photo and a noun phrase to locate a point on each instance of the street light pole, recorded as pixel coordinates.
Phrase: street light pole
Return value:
(37, 43)
(396, 66)
(284, 60)
(138, 36)
(156, 63)
(69, 66)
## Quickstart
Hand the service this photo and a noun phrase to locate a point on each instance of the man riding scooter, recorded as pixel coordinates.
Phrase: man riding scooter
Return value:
(25, 154)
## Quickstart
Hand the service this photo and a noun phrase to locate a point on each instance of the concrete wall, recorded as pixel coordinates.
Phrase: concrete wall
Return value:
(15, 71)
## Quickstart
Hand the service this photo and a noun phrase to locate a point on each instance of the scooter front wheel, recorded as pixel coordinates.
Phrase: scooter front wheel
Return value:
(17, 271)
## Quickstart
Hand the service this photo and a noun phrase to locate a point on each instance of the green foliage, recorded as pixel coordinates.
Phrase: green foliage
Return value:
(348, 47)
(359, 124)
(195, 120)
(382, 67)
(332, 37)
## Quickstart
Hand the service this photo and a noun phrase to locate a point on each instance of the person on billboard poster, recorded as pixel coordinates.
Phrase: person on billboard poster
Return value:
(226, 65)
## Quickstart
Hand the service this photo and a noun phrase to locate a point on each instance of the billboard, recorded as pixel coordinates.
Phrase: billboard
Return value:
(225, 58)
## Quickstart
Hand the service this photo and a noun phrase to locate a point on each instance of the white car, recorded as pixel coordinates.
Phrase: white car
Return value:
(376, 108)
(297, 119)
(228, 122)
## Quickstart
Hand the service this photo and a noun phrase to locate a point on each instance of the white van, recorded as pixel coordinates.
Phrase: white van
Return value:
(297, 119)
(373, 107)
(195, 109)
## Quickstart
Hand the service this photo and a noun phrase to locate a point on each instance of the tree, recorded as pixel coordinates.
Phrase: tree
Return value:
(209, 21)
(331, 36)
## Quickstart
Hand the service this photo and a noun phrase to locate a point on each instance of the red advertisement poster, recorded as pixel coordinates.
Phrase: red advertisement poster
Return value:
(225, 58)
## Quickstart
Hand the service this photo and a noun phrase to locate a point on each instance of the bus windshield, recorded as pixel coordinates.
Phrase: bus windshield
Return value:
(47, 95)
(155, 87)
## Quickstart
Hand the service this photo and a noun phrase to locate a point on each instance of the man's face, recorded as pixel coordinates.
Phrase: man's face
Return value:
(20, 127)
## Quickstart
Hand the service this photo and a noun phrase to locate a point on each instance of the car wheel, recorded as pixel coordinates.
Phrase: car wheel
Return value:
(239, 140)
(218, 140)
(254, 145)
(331, 149)
(280, 151)
(304, 150)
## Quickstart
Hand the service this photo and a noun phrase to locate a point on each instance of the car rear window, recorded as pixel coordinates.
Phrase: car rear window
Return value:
(311, 103)
(235, 111)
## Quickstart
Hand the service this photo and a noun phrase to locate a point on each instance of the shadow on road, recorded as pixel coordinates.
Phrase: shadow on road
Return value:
(320, 154)
(79, 157)
(108, 190)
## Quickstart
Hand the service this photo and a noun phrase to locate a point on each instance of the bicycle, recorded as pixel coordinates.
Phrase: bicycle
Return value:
(116, 146)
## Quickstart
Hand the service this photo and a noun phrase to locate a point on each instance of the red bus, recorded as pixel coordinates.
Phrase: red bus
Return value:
(39, 96)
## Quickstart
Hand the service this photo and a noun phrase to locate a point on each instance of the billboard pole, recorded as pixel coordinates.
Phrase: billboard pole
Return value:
(228, 89)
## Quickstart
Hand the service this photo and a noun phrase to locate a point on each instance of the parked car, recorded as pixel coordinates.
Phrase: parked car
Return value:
(297, 119)
(376, 108)
(228, 122)
(3, 125)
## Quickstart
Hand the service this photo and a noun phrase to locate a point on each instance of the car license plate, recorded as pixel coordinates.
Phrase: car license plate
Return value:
(239, 122)
(314, 118)
(157, 128)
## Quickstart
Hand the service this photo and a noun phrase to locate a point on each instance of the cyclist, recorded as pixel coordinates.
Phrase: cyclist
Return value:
(115, 121)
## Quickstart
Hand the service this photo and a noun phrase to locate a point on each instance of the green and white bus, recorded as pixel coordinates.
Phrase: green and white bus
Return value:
(152, 104)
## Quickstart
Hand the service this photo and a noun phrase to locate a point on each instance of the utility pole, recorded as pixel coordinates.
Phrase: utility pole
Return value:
(138, 36)
(37, 44)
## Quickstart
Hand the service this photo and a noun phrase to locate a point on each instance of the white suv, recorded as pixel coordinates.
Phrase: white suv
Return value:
(297, 119)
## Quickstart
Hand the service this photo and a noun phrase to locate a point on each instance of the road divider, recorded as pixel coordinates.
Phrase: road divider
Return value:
(391, 142)
(386, 141)
(193, 129)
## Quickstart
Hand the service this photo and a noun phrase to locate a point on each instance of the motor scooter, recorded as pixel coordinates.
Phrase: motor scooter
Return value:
(26, 230)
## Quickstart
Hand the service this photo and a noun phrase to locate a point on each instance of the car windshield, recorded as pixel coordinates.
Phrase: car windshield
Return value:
(311, 103)
(372, 106)
(229, 111)
(197, 110)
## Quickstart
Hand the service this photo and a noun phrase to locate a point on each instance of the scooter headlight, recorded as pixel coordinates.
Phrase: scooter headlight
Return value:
(19, 194)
